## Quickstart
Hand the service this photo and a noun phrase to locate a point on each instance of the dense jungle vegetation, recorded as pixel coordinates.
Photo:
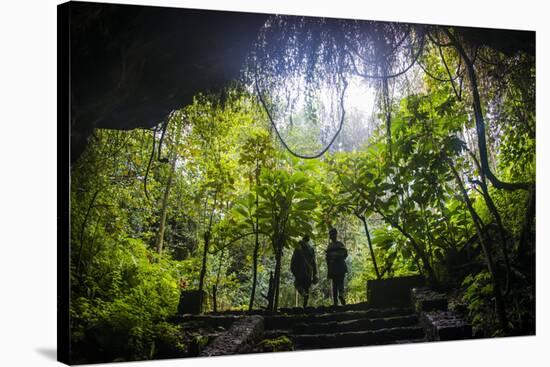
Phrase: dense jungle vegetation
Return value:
(436, 178)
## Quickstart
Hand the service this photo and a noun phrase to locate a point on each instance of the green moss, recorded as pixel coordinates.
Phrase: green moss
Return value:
(282, 343)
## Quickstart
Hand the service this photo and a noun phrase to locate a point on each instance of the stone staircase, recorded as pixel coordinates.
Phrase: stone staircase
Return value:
(342, 327)
(400, 311)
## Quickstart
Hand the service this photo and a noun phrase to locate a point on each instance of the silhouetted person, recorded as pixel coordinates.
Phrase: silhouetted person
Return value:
(336, 255)
(304, 268)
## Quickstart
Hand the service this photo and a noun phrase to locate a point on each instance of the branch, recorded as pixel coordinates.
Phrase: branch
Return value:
(480, 124)
(449, 73)
(395, 75)
(415, 245)
(149, 165)
(433, 76)
(260, 96)
(164, 127)
(395, 47)
(438, 43)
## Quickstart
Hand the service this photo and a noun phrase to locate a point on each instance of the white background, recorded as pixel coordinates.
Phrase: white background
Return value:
(28, 182)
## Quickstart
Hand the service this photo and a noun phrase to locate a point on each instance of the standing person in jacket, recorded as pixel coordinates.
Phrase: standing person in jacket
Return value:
(336, 255)
(304, 268)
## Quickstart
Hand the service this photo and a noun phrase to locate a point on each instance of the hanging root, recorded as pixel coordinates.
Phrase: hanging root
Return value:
(298, 155)
(164, 128)
(149, 165)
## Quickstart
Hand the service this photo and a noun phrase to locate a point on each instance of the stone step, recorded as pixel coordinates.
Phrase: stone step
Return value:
(361, 306)
(358, 338)
(409, 341)
(446, 325)
(240, 338)
(425, 299)
(355, 325)
(277, 333)
(289, 321)
(274, 334)
(211, 320)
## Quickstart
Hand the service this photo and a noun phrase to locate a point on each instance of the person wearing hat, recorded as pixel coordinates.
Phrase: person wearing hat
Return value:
(336, 255)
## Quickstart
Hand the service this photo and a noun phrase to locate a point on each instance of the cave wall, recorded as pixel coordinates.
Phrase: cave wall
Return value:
(131, 65)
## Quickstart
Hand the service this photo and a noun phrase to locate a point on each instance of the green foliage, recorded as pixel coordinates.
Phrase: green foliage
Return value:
(231, 179)
(287, 205)
(478, 298)
(124, 311)
(282, 343)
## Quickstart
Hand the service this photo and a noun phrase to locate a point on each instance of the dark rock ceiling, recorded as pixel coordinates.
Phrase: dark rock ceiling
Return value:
(132, 65)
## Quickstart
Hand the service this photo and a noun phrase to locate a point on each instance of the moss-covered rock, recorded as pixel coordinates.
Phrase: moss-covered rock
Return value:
(282, 343)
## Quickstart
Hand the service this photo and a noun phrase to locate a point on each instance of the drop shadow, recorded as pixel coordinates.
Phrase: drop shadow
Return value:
(50, 353)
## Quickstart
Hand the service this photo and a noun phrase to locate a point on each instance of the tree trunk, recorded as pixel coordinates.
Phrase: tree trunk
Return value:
(254, 273)
(503, 246)
(256, 250)
(369, 241)
(215, 298)
(160, 236)
(480, 123)
(526, 228)
(494, 211)
(277, 276)
(501, 310)
(207, 237)
(387, 106)
(270, 292)
(164, 208)
(273, 301)
(204, 257)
